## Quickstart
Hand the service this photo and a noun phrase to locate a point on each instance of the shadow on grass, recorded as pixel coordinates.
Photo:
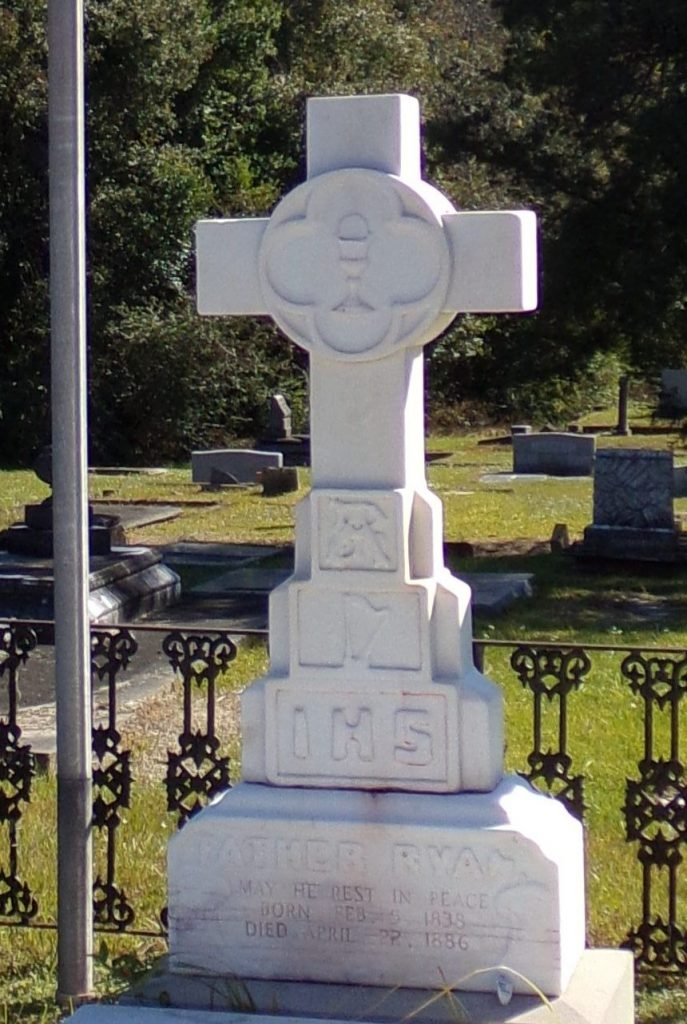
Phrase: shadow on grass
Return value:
(661, 998)
(610, 603)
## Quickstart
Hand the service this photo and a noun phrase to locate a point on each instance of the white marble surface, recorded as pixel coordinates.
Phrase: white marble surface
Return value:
(379, 888)
(371, 681)
(372, 687)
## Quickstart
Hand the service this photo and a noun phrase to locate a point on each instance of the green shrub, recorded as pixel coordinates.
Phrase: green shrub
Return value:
(166, 381)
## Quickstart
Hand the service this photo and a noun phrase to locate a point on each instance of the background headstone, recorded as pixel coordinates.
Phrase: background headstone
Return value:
(238, 464)
(278, 480)
(680, 482)
(279, 426)
(554, 454)
(633, 487)
(623, 426)
(673, 396)
(633, 506)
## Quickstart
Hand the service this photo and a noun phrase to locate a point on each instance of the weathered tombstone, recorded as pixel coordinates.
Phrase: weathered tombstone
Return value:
(554, 453)
(633, 506)
(371, 687)
(279, 426)
(295, 448)
(374, 840)
(34, 537)
(680, 482)
(560, 538)
(673, 397)
(239, 464)
(123, 581)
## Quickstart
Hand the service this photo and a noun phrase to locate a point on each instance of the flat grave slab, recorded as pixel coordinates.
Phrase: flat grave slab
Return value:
(134, 516)
(244, 579)
(192, 552)
(127, 470)
(530, 478)
(495, 591)
(491, 591)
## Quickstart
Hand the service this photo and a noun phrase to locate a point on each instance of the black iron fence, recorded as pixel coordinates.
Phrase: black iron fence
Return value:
(651, 685)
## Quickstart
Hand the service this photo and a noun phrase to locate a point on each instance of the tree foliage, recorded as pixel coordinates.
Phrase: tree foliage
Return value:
(611, 86)
(24, 381)
(586, 123)
(575, 108)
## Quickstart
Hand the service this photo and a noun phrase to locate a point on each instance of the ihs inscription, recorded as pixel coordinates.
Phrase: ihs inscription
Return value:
(356, 735)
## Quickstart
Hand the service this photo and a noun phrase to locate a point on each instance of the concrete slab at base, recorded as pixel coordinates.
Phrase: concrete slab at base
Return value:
(600, 992)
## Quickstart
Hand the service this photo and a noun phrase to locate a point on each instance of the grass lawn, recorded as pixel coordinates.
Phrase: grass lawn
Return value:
(571, 604)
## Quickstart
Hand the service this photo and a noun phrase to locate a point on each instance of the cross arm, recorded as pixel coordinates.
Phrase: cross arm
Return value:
(227, 266)
(494, 261)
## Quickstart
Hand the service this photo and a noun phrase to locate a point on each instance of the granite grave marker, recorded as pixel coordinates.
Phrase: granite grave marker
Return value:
(633, 506)
(241, 465)
(279, 426)
(673, 397)
(554, 453)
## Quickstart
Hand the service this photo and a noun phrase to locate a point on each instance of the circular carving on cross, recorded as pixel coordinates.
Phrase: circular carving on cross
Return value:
(354, 264)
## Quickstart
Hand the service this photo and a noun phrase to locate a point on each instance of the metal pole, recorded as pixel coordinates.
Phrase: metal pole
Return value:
(70, 498)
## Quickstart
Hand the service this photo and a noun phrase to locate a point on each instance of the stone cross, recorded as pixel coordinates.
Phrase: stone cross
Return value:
(363, 265)
(373, 839)
(371, 682)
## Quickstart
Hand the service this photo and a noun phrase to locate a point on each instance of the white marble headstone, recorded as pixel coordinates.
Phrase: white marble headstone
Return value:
(372, 687)
(371, 682)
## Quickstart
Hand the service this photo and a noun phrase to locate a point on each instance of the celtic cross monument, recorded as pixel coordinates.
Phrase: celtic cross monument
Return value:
(371, 681)
(374, 848)
(373, 839)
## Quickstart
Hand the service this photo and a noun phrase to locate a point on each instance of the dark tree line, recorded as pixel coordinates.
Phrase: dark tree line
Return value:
(196, 108)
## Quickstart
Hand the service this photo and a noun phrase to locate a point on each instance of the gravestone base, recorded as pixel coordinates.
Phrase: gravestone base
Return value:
(628, 542)
(294, 450)
(122, 584)
(379, 888)
(600, 992)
